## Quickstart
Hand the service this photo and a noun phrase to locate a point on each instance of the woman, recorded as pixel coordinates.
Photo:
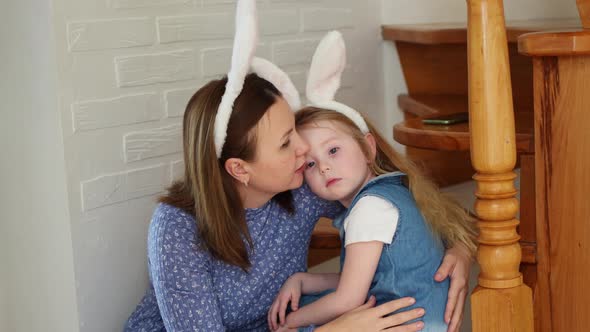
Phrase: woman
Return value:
(228, 235)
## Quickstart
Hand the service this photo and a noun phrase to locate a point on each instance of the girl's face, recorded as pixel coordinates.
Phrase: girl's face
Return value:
(335, 166)
(280, 153)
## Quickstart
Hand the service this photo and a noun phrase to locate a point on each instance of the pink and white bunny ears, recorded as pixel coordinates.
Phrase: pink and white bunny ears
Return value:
(243, 62)
(323, 80)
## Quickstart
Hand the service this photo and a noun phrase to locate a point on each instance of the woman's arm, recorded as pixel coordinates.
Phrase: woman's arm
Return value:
(357, 273)
(315, 206)
(180, 275)
(456, 265)
(369, 319)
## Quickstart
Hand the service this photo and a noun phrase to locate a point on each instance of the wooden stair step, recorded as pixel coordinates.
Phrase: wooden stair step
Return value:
(413, 133)
(567, 43)
(325, 236)
(456, 33)
(324, 244)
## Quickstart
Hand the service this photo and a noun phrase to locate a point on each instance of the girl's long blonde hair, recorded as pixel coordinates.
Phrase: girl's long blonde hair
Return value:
(444, 215)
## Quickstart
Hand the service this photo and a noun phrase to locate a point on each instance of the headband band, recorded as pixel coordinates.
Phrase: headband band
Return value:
(244, 62)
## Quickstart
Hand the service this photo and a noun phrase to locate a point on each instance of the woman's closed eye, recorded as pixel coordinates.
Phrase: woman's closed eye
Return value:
(286, 144)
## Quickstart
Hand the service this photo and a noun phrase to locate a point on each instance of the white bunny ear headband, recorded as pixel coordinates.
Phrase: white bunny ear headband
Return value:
(323, 81)
(243, 62)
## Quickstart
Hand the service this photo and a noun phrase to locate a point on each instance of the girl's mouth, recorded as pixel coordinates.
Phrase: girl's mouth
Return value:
(331, 182)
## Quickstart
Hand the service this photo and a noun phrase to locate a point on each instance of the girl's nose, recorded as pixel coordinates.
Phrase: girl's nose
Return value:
(324, 168)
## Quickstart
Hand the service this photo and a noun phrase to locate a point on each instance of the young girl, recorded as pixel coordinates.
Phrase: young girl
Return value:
(394, 222)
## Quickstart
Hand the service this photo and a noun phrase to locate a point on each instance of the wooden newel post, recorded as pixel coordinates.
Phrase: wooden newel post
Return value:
(501, 302)
(584, 11)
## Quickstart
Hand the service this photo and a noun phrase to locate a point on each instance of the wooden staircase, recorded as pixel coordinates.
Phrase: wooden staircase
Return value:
(434, 62)
(440, 79)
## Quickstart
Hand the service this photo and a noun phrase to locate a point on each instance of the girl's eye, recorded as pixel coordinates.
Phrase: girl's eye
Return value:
(286, 144)
(334, 150)
(310, 164)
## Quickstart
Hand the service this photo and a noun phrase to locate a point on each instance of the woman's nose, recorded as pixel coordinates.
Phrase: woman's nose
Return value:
(302, 147)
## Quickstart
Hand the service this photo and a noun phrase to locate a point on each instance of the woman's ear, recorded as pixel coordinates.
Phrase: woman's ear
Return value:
(372, 144)
(238, 169)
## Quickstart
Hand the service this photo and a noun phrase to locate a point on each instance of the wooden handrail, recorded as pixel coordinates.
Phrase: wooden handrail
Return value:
(501, 302)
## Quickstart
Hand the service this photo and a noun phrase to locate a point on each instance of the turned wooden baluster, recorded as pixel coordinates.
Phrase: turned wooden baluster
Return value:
(501, 302)
(584, 11)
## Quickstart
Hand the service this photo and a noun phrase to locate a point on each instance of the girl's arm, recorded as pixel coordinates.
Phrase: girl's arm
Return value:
(317, 282)
(357, 273)
(297, 284)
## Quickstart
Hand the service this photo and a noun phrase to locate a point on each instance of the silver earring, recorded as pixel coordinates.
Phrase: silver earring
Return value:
(245, 182)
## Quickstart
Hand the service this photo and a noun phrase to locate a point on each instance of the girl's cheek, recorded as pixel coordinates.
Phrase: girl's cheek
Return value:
(309, 179)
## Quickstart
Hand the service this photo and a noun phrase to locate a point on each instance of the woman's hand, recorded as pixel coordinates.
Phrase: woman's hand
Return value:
(456, 265)
(290, 291)
(367, 318)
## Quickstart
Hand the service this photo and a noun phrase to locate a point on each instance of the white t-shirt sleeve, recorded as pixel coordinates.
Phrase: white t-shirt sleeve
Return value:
(371, 219)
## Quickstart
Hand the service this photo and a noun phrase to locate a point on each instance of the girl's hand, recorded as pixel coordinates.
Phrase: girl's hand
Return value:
(456, 265)
(290, 291)
(367, 318)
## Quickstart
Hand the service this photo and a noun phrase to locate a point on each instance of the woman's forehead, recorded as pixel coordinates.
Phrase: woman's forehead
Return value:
(277, 121)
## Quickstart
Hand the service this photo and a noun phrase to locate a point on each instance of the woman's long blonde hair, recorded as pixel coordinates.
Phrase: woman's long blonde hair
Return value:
(444, 215)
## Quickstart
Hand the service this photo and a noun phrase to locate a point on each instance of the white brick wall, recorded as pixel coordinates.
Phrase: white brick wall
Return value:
(126, 70)
(326, 19)
(123, 110)
(176, 101)
(153, 142)
(293, 52)
(196, 27)
(114, 188)
(153, 68)
(104, 34)
(144, 3)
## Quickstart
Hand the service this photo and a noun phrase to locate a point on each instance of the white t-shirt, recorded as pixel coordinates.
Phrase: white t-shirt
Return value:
(371, 219)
